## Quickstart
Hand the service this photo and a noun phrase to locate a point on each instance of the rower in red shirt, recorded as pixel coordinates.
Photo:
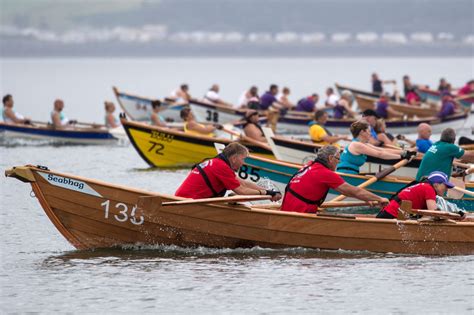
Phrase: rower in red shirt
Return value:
(421, 194)
(309, 187)
(212, 178)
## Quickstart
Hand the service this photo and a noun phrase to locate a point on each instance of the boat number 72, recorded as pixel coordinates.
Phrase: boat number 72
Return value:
(158, 147)
(123, 213)
(249, 172)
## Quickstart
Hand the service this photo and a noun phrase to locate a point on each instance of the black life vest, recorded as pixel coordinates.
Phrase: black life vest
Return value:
(256, 125)
(288, 189)
(206, 178)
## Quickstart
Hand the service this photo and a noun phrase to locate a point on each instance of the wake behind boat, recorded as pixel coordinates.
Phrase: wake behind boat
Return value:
(93, 134)
(93, 214)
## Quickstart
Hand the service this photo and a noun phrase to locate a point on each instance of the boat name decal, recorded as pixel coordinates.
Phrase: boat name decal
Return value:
(71, 184)
(161, 136)
(123, 215)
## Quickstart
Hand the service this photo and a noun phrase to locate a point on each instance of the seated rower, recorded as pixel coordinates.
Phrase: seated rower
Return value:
(448, 107)
(212, 178)
(355, 154)
(268, 100)
(320, 134)
(386, 139)
(308, 104)
(252, 128)
(249, 99)
(213, 97)
(284, 99)
(308, 188)
(422, 195)
(9, 115)
(58, 119)
(193, 127)
(181, 94)
(370, 117)
(384, 110)
(412, 97)
(156, 119)
(342, 109)
(110, 120)
(423, 142)
(441, 154)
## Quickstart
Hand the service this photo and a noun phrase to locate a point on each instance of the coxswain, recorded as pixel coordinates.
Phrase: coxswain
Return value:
(193, 127)
(9, 115)
(355, 154)
(422, 195)
(308, 188)
(440, 155)
(214, 177)
(252, 128)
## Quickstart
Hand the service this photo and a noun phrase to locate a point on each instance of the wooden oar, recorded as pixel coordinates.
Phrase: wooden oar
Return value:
(342, 204)
(153, 203)
(248, 139)
(465, 191)
(376, 177)
(405, 209)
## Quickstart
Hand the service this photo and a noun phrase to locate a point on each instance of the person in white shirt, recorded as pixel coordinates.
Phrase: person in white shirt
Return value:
(9, 115)
(248, 97)
(331, 101)
(181, 94)
(213, 97)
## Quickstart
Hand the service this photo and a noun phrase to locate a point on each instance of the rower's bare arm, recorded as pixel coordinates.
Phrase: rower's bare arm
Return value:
(56, 121)
(253, 132)
(202, 129)
(359, 193)
(431, 204)
(468, 156)
(370, 150)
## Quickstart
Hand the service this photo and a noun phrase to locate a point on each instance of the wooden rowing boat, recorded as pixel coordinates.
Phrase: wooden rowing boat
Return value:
(93, 214)
(139, 107)
(72, 135)
(166, 147)
(279, 173)
(435, 96)
(340, 88)
(409, 110)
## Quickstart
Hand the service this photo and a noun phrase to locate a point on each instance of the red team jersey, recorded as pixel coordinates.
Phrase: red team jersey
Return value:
(311, 184)
(417, 194)
(220, 175)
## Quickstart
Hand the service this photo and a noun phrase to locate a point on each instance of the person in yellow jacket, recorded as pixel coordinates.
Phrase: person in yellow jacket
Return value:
(320, 134)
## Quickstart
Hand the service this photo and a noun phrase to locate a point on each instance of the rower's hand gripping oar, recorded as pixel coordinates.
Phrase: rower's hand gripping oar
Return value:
(376, 177)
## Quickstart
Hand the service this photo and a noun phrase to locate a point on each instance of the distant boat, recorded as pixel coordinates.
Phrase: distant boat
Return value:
(165, 147)
(72, 135)
(340, 88)
(94, 214)
(435, 96)
(139, 107)
(366, 102)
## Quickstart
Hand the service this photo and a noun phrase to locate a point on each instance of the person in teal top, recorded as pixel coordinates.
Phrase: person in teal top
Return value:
(355, 154)
(440, 155)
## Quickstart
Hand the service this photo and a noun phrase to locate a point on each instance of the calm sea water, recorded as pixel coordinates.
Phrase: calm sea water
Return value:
(41, 272)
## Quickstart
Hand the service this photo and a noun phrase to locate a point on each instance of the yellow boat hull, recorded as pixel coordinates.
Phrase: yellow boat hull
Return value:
(164, 147)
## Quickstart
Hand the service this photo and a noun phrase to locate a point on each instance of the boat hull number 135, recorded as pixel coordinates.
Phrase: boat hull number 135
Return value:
(123, 214)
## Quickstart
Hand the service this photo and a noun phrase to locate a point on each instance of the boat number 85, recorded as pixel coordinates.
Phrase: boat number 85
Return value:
(212, 116)
(249, 172)
(123, 213)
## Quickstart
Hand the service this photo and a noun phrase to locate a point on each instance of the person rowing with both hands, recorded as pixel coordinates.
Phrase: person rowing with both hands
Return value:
(212, 178)
(355, 154)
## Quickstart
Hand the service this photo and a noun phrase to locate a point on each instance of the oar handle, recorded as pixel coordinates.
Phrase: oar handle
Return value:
(216, 200)
(465, 191)
(376, 177)
(335, 204)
